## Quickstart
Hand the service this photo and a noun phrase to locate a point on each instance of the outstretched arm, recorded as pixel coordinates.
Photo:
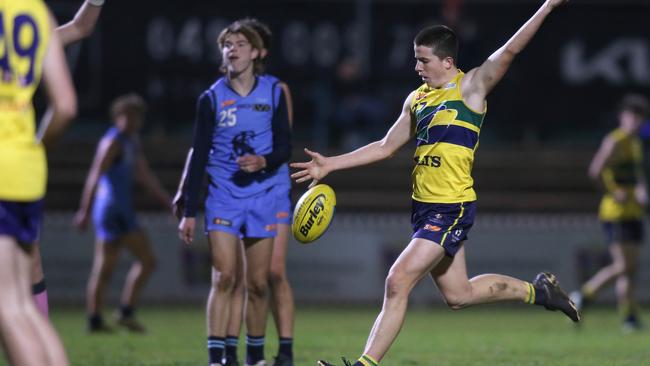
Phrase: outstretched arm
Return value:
(60, 91)
(481, 80)
(397, 136)
(83, 23)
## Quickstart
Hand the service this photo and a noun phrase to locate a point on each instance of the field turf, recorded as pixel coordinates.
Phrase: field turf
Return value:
(488, 335)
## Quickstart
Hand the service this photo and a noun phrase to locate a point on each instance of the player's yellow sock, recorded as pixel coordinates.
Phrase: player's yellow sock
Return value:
(367, 360)
(530, 297)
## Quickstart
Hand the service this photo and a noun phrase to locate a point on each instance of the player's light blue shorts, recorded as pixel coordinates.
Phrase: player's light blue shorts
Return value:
(113, 221)
(21, 220)
(284, 207)
(446, 224)
(250, 217)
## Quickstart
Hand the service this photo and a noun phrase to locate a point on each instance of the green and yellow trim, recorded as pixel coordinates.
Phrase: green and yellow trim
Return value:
(530, 298)
(451, 228)
(367, 360)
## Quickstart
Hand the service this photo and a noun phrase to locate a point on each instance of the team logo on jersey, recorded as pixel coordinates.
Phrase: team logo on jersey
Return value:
(433, 161)
(227, 103)
(420, 95)
(241, 144)
(261, 107)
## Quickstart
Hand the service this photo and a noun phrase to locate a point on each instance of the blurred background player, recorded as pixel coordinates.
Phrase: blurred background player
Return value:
(445, 115)
(108, 193)
(618, 168)
(75, 30)
(26, 336)
(241, 137)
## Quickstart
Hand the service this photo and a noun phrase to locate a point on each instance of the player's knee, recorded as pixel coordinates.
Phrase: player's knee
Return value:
(277, 275)
(396, 284)
(258, 287)
(223, 281)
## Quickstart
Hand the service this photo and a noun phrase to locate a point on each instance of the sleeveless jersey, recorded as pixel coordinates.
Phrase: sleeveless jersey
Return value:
(24, 37)
(115, 185)
(447, 133)
(243, 126)
(623, 171)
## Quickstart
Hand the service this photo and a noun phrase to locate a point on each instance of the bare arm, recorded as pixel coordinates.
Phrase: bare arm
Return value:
(601, 158)
(397, 136)
(82, 25)
(60, 90)
(481, 80)
(289, 99)
(107, 150)
(147, 179)
(177, 202)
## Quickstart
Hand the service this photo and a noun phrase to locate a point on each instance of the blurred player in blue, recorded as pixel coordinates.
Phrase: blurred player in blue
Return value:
(80, 27)
(444, 116)
(618, 168)
(108, 194)
(241, 138)
(26, 335)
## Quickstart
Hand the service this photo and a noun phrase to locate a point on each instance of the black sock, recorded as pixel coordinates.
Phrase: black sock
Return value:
(254, 349)
(126, 311)
(285, 347)
(95, 321)
(39, 287)
(215, 349)
(231, 347)
(540, 296)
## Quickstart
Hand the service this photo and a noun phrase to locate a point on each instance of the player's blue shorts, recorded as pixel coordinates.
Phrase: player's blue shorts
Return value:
(627, 232)
(446, 224)
(112, 221)
(21, 220)
(250, 217)
(283, 213)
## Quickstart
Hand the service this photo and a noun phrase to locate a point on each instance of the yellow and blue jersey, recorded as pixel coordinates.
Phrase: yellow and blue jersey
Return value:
(447, 134)
(622, 172)
(24, 38)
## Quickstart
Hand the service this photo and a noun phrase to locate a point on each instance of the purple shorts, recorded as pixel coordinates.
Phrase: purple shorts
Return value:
(21, 220)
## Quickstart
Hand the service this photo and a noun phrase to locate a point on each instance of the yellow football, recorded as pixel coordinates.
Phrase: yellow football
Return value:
(313, 213)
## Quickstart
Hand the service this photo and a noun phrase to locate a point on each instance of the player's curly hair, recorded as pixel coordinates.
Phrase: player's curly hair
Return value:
(251, 35)
(130, 103)
(441, 39)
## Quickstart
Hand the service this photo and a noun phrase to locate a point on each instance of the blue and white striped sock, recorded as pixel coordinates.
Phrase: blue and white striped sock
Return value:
(254, 349)
(216, 346)
(231, 346)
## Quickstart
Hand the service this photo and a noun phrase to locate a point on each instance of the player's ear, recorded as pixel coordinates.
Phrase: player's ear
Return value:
(448, 63)
(256, 54)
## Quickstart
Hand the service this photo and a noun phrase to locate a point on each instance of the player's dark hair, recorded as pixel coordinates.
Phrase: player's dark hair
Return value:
(441, 39)
(262, 29)
(251, 35)
(131, 103)
(635, 103)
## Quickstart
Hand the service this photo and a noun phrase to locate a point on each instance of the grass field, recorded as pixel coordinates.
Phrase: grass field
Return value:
(489, 335)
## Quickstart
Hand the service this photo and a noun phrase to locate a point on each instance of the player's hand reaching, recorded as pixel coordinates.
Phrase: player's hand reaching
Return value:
(315, 169)
(186, 229)
(251, 163)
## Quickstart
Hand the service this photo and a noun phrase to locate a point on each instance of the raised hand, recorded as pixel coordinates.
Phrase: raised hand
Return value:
(316, 169)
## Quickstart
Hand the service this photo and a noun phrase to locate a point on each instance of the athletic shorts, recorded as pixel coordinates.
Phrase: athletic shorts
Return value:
(250, 217)
(21, 220)
(283, 213)
(113, 221)
(629, 232)
(445, 224)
